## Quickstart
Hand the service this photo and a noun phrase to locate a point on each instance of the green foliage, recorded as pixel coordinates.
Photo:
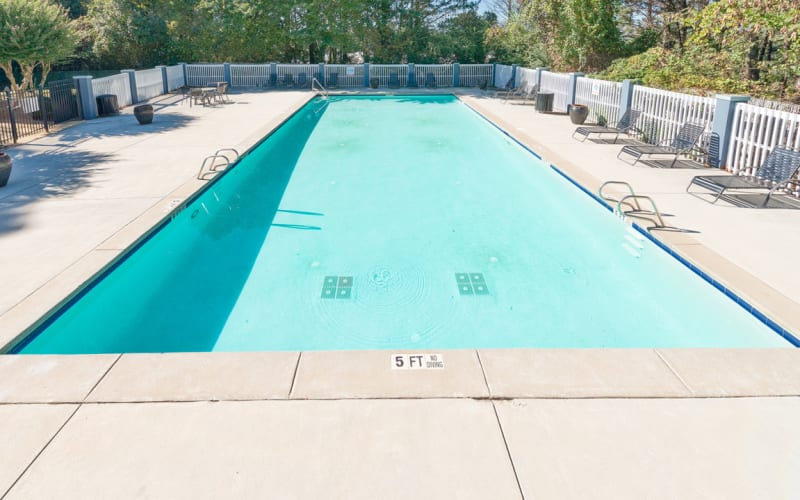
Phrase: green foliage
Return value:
(33, 33)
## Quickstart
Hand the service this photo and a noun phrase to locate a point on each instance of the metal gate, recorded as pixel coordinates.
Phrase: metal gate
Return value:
(27, 112)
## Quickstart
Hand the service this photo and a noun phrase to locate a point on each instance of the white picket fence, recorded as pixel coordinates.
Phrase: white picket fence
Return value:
(502, 74)
(475, 75)
(251, 75)
(119, 85)
(175, 78)
(558, 85)
(203, 75)
(383, 72)
(664, 112)
(602, 98)
(442, 74)
(525, 78)
(347, 75)
(756, 131)
(149, 83)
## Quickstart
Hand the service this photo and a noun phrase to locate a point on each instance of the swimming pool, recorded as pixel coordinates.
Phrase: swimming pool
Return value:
(394, 222)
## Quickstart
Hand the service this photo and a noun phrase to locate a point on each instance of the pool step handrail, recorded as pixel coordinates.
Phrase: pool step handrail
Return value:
(639, 212)
(609, 199)
(228, 150)
(319, 88)
(210, 165)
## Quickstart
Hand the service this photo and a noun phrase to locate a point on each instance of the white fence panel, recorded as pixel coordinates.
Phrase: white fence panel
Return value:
(204, 75)
(475, 75)
(149, 83)
(756, 131)
(502, 74)
(602, 98)
(251, 75)
(296, 75)
(346, 75)
(383, 72)
(525, 77)
(119, 85)
(664, 112)
(175, 77)
(442, 74)
(558, 85)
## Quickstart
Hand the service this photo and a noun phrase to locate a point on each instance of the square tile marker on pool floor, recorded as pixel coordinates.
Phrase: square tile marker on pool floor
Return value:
(471, 284)
(337, 287)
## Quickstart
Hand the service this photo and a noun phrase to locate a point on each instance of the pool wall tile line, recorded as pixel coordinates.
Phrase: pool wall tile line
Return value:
(774, 326)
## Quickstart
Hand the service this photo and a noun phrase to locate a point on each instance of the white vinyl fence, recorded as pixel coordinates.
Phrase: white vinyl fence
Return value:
(175, 77)
(251, 75)
(384, 72)
(602, 98)
(442, 73)
(347, 75)
(204, 75)
(756, 131)
(149, 83)
(502, 74)
(475, 75)
(558, 85)
(119, 85)
(664, 112)
(525, 78)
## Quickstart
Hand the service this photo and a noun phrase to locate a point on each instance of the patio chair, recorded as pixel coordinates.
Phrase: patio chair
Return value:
(288, 80)
(394, 80)
(625, 125)
(685, 141)
(525, 94)
(222, 93)
(430, 81)
(302, 80)
(333, 80)
(778, 169)
(273, 80)
(508, 88)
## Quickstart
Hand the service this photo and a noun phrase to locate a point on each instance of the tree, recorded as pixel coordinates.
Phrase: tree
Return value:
(34, 33)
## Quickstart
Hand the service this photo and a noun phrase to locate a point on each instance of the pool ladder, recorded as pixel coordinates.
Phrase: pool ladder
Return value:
(319, 88)
(632, 200)
(211, 166)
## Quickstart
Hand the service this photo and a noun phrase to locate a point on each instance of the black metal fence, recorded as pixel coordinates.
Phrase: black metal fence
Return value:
(28, 112)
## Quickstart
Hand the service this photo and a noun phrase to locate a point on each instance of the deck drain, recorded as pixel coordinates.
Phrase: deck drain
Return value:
(471, 284)
(337, 287)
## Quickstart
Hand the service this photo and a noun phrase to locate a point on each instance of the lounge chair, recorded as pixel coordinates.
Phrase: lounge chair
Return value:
(778, 169)
(525, 93)
(302, 80)
(394, 80)
(685, 141)
(625, 125)
(333, 80)
(508, 88)
(430, 80)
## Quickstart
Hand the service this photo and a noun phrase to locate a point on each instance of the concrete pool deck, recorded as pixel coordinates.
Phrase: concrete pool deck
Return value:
(533, 423)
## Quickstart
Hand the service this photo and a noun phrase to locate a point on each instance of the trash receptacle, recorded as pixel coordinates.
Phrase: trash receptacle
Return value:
(544, 102)
(107, 104)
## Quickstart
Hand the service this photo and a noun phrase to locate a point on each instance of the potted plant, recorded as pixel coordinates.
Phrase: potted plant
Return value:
(143, 113)
(5, 168)
(578, 113)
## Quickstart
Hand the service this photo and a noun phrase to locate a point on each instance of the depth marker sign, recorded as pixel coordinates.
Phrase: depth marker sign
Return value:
(417, 362)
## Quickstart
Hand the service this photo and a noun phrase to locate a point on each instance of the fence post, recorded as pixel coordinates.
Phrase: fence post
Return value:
(513, 76)
(164, 78)
(273, 73)
(412, 76)
(226, 71)
(722, 128)
(86, 102)
(538, 77)
(11, 116)
(573, 86)
(456, 71)
(43, 108)
(132, 77)
(185, 75)
(321, 76)
(366, 75)
(625, 97)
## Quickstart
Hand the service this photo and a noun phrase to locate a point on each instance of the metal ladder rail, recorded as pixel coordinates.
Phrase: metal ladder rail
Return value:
(213, 168)
(655, 212)
(319, 88)
(227, 150)
(614, 200)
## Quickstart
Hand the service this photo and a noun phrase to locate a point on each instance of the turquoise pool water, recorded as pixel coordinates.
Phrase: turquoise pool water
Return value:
(395, 222)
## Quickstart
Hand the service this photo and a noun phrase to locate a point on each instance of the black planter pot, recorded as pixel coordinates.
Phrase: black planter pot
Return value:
(374, 83)
(578, 113)
(5, 168)
(143, 114)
